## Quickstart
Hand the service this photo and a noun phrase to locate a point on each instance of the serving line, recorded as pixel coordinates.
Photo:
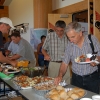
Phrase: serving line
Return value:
(11, 85)
(31, 95)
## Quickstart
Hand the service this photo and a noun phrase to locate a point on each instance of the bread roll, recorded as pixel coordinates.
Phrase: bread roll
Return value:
(81, 93)
(70, 92)
(76, 90)
(66, 97)
(54, 91)
(55, 97)
(74, 96)
(62, 99)
(60, 88)
(69, 98)
(62, 94)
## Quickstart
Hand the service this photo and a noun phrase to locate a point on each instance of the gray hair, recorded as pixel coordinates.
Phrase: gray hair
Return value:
(73, 25)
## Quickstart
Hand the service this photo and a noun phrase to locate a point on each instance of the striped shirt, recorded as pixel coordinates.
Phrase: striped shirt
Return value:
(55, 46)
(73, 51)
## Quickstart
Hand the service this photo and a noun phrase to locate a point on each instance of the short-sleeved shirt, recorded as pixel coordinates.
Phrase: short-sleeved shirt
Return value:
(13, 47)
(55, 46)
(25, 50)
(73, 51)
(1, 42)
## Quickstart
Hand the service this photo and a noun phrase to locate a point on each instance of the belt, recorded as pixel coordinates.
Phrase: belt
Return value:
(57, 61)
(95, 72)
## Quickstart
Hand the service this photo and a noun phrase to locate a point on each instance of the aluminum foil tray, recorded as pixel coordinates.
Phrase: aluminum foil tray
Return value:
(43, 92)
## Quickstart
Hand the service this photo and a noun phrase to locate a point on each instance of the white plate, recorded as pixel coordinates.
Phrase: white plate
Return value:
(26, 87)
(96, 97)
(88, 62)
(84, 62)
(14, 72)
(9, 66)
(7, 78)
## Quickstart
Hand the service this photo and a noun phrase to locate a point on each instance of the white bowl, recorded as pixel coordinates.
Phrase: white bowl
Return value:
(85, 99)
(88, 55)
(96, 97)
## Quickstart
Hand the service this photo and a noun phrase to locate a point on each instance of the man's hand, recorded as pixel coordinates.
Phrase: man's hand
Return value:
(57, 80)
(93, 64)
(13, 63)
(7, 52)
(47, 57)
(9, 58)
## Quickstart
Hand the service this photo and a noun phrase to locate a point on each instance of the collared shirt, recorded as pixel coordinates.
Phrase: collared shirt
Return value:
(55, 46)
(73, 51)
(13, 47)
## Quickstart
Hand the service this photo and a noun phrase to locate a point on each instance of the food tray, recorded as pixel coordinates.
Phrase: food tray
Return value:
(67, 90)
(43, 92)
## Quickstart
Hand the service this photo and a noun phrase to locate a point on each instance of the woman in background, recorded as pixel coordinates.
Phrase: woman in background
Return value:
(41, 60)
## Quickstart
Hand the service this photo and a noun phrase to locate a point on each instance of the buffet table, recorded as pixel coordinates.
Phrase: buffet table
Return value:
(29, 94)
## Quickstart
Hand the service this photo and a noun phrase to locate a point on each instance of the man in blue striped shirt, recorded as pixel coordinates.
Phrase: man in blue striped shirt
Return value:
(83, 75)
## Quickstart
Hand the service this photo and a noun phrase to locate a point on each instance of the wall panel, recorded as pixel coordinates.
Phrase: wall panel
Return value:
(4, 12)
(41, 10)
(83, 5)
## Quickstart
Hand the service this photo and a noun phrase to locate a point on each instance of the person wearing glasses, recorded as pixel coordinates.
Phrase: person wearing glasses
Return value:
(53, 49)
(5, 26)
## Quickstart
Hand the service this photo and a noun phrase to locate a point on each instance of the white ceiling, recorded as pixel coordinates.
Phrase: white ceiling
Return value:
(7, 2)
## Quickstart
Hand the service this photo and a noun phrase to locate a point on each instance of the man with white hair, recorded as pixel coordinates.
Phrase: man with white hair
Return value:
(5, 26)
(85, 75)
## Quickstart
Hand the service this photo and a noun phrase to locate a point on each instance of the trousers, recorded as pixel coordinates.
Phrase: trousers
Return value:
(53, 70)
(88, 82)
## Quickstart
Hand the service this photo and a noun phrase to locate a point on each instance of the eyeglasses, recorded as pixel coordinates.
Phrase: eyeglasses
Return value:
(59, 31)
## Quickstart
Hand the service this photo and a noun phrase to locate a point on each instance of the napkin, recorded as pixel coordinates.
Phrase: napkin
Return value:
(2, 75)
